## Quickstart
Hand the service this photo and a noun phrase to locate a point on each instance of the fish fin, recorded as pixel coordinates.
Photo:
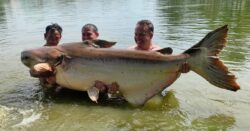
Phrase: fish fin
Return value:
(93, 94)
(213, 42)
(104, 43)
(205, 53)
(167, 50)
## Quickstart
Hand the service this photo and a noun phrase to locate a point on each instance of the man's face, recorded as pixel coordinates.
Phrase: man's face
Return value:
(142, 35)
(53, 38)
(88, 34)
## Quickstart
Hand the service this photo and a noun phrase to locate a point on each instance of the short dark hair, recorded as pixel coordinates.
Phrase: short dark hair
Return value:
(147, 23)
(90, 26)
(53, 27)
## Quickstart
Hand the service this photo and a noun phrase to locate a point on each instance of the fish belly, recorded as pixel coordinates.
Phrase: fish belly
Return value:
(138, 80)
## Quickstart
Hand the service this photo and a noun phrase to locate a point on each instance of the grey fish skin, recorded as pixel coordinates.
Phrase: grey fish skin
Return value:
(140, 75)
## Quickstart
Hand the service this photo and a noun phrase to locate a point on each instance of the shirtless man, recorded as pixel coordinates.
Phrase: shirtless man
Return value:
(90, 32)
(144, 32)
(52, 35)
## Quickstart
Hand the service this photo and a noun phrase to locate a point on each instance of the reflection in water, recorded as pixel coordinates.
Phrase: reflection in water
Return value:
(67, 96)
(216, 122)
(2, 21)
(179, 16)
(191, 104)
(50, 106)
(2, 12)
(164, 103)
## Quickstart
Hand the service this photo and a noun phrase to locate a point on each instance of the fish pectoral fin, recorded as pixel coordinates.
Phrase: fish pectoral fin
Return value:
(93, 93)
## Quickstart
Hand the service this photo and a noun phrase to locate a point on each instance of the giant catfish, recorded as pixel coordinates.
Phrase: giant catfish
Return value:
(140, 75)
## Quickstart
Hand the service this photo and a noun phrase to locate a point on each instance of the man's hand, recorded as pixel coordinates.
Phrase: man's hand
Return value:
(41, 70)
(113, 88)
(101, 86)
(45, 71)
(51, 80)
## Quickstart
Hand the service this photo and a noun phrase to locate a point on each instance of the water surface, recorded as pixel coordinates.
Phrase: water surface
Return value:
(190, 103)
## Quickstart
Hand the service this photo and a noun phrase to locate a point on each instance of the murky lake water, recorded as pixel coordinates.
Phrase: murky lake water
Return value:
(190, 103)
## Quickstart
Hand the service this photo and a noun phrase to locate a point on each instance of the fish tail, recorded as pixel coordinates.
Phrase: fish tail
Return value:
(204, 60)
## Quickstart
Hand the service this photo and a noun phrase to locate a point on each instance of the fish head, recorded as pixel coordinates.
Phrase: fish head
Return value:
(51, 55)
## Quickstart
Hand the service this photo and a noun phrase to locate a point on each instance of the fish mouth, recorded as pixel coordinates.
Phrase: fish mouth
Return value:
(30, 63)
(26, 58)
(26, 62)
(29, 60)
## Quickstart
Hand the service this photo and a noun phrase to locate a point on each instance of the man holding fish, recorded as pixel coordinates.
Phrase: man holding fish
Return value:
(52, 36)
(144, 31)
(140, 75)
